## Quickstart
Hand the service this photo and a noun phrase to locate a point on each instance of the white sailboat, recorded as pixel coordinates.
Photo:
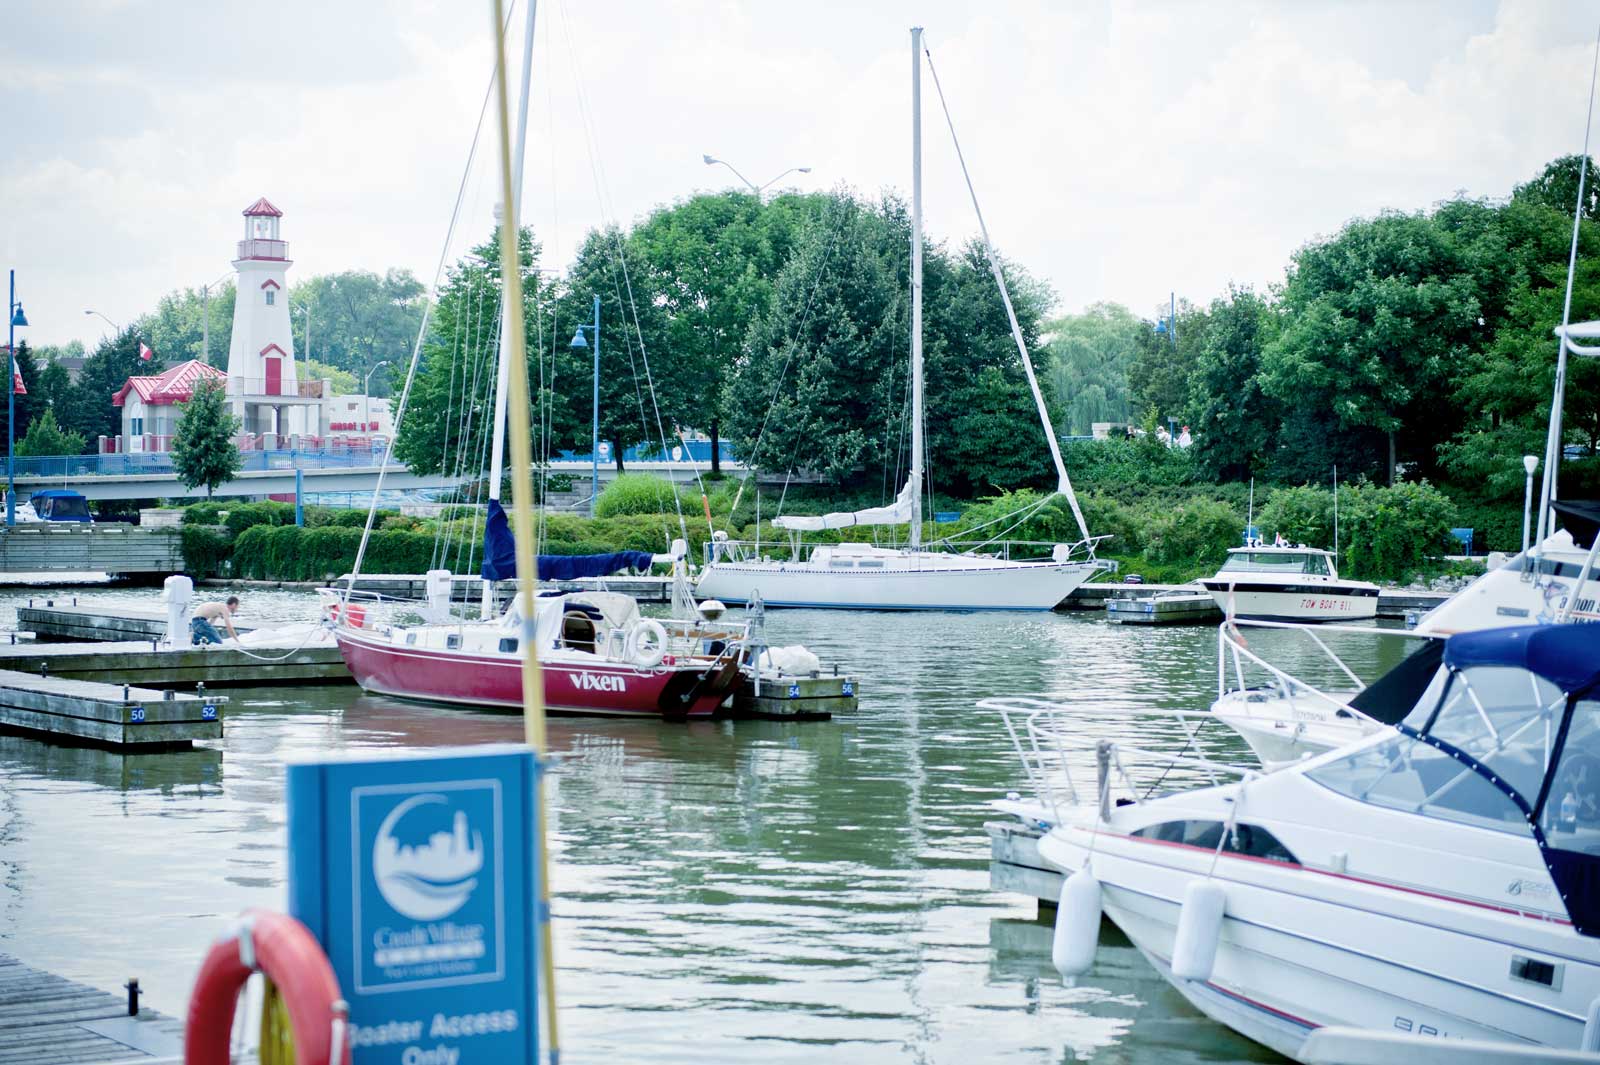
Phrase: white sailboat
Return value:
(868, 577)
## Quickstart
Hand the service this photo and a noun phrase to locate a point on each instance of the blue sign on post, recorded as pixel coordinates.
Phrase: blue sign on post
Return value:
(417, 877)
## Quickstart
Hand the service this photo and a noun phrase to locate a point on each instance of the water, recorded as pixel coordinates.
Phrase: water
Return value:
(725, 892)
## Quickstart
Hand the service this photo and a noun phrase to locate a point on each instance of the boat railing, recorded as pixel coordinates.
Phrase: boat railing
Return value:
(1233, 650)
(1021, 550)
(1074, 754)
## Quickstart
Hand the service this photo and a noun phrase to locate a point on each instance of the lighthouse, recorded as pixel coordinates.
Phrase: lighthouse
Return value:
(263, 388)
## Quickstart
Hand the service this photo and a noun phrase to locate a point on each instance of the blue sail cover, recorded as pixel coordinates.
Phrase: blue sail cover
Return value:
(500, 556)
(1568, 656)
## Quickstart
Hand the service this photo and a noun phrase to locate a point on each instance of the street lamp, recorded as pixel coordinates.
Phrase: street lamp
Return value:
(1529, 463)
(205, 317)
(579, 342)
(757, 189)
(14, 318)
(366, 389)
(109, 322)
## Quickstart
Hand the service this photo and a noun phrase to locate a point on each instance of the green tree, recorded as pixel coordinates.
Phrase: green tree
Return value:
(1232, 421)
(359, 319)
(1557, 187)
(88, 408)
(710, 263)
(1085, 360)
(177, 327)
(203, 451)
(46, 437)
(1164, 362)
(27, 405)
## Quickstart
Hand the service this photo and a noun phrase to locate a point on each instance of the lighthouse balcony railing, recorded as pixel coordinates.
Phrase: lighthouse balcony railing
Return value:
(257, 248)
(279, 389)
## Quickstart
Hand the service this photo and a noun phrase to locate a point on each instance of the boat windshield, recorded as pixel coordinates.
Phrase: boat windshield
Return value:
(1288, 563)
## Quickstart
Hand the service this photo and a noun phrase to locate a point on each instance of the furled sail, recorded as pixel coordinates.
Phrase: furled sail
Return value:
(500, 556)
(897, 513)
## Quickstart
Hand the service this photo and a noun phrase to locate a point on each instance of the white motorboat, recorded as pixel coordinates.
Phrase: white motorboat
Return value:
(1289, 583)
(913, 577)
(1437, 879)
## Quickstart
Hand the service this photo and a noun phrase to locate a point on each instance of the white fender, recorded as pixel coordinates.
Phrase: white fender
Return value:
(1194, 952)
(638, 652)
(1077, 934)
(1591, 1029)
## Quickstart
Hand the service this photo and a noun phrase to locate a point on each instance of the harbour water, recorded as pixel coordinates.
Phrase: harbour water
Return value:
(724, 891)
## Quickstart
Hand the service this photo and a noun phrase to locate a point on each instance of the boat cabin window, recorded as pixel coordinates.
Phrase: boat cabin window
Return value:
(508, 645)
(1571, 815)
(577, 631)
(1504, 719)
(1252, 841)
(1278, 562)
(452, 640)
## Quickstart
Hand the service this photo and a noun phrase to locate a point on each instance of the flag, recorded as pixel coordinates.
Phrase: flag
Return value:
(1279, 541)
(17, 387)
(145, 354)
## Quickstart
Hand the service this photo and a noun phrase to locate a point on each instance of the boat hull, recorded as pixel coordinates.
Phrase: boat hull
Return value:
(997, 586)
(462, 679)
(1306, 602)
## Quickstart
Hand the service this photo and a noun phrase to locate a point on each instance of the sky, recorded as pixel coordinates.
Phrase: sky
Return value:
(1120, 151)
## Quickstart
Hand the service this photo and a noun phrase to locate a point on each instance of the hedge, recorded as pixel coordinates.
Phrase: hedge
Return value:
(293, 553)
(206, 550)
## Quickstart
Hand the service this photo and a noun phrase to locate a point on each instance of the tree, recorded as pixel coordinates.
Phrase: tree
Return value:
(1557, 187)
(46, 437)
(28, 405)
(359, 319)
(88, 408)
(1163, 364)
(1233, 422)
(177, 327)
(1085, 362)
(203, 451)
(710, 262)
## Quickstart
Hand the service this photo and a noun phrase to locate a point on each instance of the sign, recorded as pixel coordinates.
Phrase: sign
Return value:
(417, 877)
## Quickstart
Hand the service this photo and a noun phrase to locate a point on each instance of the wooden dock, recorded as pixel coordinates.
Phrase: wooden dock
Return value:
(112, 547)
(118, 716)
(151, 665)
(64, 619)
(49, 1020)
(813, 697)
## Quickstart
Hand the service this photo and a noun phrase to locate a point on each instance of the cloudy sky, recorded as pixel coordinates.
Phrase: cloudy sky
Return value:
(1121, 150)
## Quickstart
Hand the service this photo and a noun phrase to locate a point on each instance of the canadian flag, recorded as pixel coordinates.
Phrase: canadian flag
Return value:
(17, 387)
(145, 354)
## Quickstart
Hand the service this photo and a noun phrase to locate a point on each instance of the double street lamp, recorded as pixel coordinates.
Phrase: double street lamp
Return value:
(579, 342)
(757, 189)
(14, 318)
(366, 388)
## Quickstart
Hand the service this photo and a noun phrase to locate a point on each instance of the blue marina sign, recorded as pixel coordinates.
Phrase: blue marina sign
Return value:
(417, 877)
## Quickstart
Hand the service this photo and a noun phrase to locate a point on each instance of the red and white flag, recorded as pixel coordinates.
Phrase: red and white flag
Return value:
(17, 387)
(145, 354)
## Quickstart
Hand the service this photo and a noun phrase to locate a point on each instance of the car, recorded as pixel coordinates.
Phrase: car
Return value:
(1133, 578)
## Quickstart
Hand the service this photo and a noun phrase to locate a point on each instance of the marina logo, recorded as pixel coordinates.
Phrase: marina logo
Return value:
(599, 682)
(432, 879)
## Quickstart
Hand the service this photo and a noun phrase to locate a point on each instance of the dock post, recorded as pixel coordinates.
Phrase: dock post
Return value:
(133, 996)
(299, 508)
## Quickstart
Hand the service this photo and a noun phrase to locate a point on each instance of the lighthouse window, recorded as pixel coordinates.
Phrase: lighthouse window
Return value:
(271, 297)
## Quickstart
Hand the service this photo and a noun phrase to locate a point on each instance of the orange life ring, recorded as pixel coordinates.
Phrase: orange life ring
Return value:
(282, 948)
(355, 617)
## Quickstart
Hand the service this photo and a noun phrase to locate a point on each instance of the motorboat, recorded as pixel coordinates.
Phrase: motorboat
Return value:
(1437, 878)
(1289, 583)
(913, 576)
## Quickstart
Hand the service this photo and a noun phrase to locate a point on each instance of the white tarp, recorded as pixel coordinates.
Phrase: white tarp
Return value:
(897, 513)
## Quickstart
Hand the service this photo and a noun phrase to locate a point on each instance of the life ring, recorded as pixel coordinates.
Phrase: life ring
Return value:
(355, 617)
(285, 951)
(642, 653)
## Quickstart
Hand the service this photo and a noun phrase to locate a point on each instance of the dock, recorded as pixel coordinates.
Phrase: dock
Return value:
(64, 619)
(151, 664)
(46, 1018)
(119, 716)
(1170, 608)
(1392, 602)
(813, 697)
(1015, 865)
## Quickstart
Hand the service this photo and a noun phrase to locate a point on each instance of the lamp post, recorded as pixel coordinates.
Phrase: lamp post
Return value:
(578, 341)
(14, 318)
(757, 189)
(366, 390)
(108, 321)
(205, 317)
(1529, 463)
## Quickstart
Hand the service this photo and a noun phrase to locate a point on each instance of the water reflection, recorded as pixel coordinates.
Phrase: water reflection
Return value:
(725, 892)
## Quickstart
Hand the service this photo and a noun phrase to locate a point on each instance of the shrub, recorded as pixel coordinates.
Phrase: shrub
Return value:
(1387, 534)
(635, 493)
(1300, 515)
(1197, 534)
(203, 513)
(291, 553)
(206, 550)
(242, 516)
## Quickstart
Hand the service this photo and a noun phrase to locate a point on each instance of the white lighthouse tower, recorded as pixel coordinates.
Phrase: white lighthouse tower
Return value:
(263, 387)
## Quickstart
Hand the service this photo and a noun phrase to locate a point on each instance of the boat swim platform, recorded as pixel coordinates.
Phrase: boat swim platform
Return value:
(49, 1020)
(63, 619)
(152, 664)
(96, 714)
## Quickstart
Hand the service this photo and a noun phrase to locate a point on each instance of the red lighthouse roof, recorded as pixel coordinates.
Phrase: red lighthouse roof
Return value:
(262, 206)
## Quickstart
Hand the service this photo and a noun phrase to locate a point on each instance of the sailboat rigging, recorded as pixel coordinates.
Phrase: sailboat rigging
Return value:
(864, 576)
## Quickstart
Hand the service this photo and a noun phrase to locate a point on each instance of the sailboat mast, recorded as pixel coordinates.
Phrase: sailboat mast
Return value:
(917, 457)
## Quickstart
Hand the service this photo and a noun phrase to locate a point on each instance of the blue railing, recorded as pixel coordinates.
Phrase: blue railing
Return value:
(159, 463)
(698, 451)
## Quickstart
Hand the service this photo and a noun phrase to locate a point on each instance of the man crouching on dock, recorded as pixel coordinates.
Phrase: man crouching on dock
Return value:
(202, 626)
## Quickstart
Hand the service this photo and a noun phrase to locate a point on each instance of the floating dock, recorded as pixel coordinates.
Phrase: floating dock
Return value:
(55, 619)
(1015, 865)
(813, 697)
(1169, 608)
(118, 716)
(154, 665)
(48, 1018)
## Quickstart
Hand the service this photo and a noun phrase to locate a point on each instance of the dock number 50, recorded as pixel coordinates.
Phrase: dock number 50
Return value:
(136, 715)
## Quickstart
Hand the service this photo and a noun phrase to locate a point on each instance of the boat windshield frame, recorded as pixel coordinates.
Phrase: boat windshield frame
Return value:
(1312, 562)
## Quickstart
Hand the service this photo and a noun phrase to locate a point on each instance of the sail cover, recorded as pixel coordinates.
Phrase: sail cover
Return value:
(897, 513)
(500, 556)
